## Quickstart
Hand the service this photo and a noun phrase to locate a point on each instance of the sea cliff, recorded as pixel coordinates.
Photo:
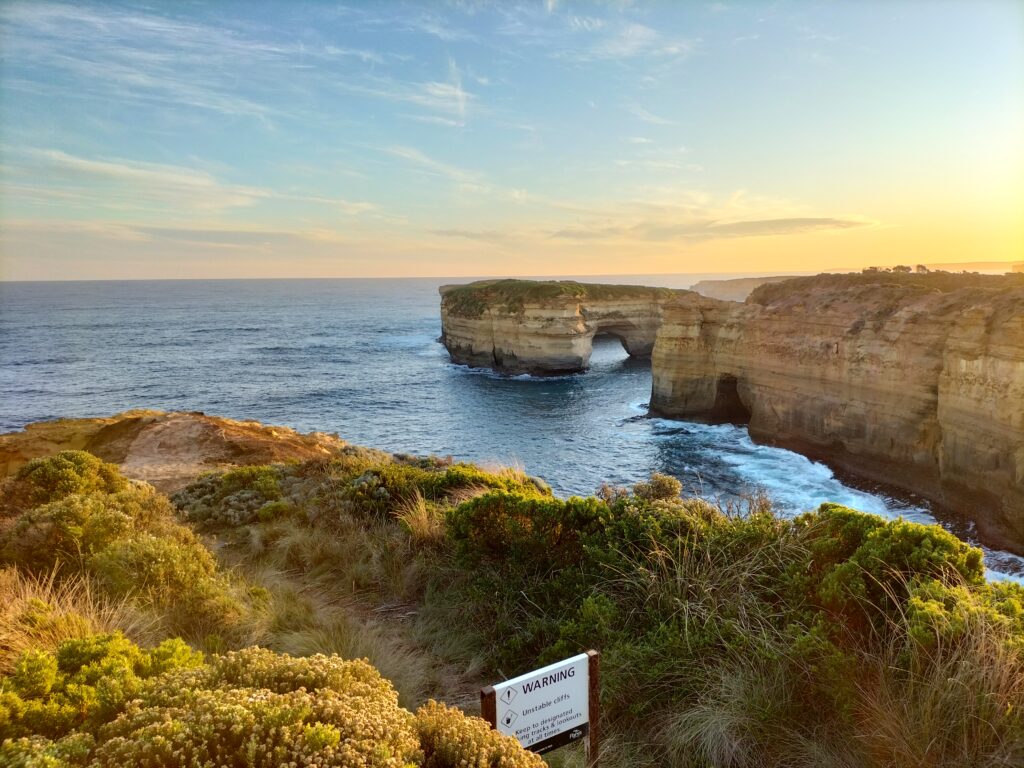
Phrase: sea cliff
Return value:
(915, 381)
(545, 327)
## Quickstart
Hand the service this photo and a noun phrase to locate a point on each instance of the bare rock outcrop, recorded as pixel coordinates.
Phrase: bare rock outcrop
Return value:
(911, 381)
(545, 327)
(168, 450)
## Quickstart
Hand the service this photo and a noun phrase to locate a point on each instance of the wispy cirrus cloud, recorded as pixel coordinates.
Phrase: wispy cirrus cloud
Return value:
(446, 100)
(648, 117)
(232, 68)
(700, 230)
(589, 38)
(628, 40)
(122, 184)
(434, 167)
(491, 236)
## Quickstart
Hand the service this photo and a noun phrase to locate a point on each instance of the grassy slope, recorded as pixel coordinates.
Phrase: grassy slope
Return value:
(729, 637)
(510, 295)
(96, 571)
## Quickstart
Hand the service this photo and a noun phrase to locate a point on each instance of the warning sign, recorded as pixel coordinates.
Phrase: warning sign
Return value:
(546, 708)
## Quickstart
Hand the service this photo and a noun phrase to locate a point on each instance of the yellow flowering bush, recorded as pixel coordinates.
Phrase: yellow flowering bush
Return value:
(102, 702)
(83, 683)
(450, 739)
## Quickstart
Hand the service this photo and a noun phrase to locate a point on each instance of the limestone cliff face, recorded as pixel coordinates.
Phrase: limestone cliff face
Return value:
(521, 326)
(906, 384)
(168, 450)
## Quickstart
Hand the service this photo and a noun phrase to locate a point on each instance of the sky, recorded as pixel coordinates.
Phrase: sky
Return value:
(315, 139)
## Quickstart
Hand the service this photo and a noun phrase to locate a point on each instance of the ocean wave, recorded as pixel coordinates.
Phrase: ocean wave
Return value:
(488, 373)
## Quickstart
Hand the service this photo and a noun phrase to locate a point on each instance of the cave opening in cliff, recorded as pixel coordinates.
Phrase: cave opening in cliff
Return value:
(728, 405)
(608, 348)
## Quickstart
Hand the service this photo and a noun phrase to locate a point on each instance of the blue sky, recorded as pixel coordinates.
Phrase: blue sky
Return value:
(301, 139)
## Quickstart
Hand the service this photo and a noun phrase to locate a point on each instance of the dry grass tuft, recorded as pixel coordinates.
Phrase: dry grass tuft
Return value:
(960, 704)
(423, 521)
(467, 493)
(39, 612)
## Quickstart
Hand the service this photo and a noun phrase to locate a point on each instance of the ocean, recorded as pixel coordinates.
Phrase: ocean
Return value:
(360, 357)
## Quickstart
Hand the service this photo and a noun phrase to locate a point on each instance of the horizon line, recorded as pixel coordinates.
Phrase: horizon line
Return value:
(748, 273)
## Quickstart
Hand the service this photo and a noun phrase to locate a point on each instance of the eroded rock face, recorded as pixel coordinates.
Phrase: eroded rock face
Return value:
(548, 327)
(168, 450)
(906, 384)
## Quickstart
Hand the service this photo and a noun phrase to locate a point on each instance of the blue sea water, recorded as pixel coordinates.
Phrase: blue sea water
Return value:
(361, 358)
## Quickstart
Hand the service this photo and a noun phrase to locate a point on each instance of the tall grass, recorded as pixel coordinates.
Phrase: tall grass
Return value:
(959, 704)
(41, 611)
(423, 521)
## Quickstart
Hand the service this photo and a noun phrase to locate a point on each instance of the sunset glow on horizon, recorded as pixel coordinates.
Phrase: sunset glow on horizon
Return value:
(239, 139)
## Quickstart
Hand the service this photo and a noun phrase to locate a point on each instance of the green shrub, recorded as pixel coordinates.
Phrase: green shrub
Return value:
(79, 526)
(130, 544)
(84, 683)
(55, 477)
(237, 497)
(160, 569)
(659, 487)
(861, 566)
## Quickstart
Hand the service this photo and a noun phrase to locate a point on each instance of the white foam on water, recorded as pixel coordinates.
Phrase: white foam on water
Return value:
(797, 484)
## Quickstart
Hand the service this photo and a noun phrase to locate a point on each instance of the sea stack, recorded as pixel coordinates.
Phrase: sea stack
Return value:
(546, 327)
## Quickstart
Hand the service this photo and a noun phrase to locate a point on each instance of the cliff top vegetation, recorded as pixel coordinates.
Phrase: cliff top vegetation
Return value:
(472, 299)
(924, 281)
(729, 636)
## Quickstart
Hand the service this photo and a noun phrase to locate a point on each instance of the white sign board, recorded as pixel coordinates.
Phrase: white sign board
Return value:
(546, 708)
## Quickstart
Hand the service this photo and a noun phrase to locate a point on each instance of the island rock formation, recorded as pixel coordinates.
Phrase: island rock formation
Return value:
(168, 450)
(916, 381)
(545, 327)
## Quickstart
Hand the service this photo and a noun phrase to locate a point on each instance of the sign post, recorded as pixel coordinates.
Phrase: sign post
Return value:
(549, 707)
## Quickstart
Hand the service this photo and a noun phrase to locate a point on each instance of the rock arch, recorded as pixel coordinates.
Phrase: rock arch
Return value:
(546, 327)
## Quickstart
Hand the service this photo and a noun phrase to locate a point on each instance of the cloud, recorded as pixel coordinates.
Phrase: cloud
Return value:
(649, 117)
(220, 64)
(138, 57)
(701, 230)
(626, 40)
(121, 184)
(588, 23)
(436, 120)
(363, 55)
(429, 164)
(222, 238)
(483, 235)
(446, 97)
(794, 226)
